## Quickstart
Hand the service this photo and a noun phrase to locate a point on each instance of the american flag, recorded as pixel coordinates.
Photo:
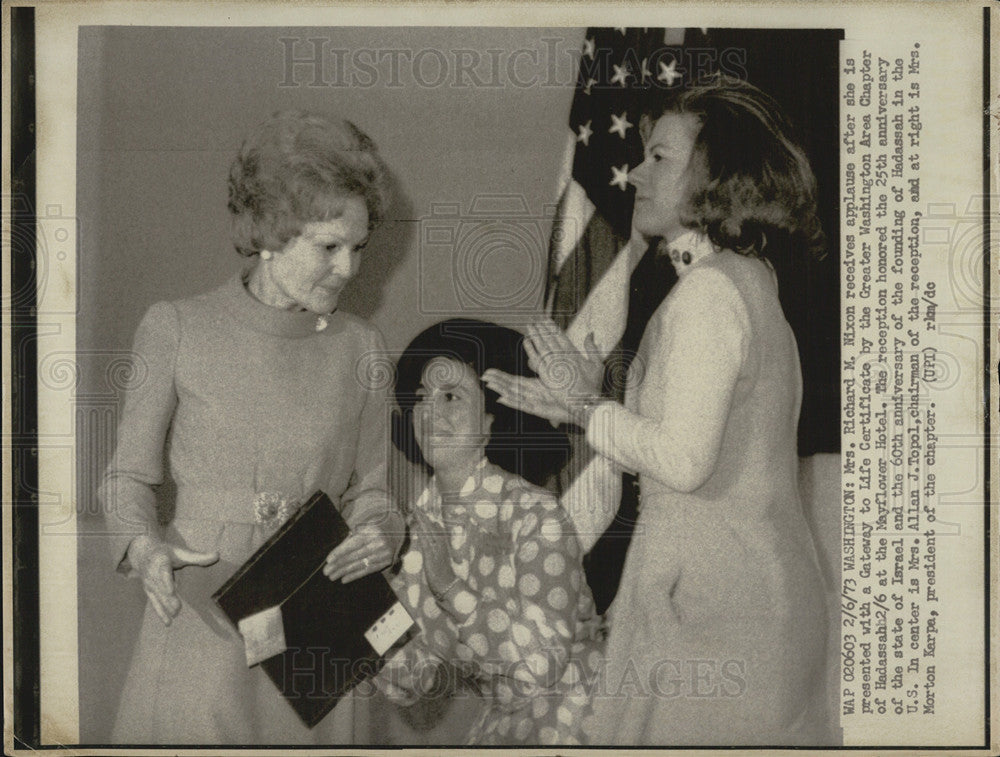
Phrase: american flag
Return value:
(619, 69)
(600, 282)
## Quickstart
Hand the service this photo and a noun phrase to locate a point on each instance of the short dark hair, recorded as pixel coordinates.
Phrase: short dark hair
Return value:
(750, 183)
(519, 443)
(296, 168)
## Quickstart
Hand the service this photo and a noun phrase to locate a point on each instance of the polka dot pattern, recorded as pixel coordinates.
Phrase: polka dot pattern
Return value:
(558, 598)
(464, 602)
(572, 674)
(504, 692)
(538, 664)
(498, 620)
(565, 716)
(552, 530)
(486, 565)
(522, 729)
(535, 614)
(515, 629)
(508, 652)
(594, 660)
(413, 562)
(528, 551)
(529, 584)
(413, 595)
(529, 523)
(555, 564)
(523, 674)
(503, 727)
(430, 608)
(493, 484)
(477, 642)
(505, 577)
(522, 636)
(539, 708)
(486, 510)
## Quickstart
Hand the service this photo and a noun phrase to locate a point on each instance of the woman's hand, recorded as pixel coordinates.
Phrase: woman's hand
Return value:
(528, 395)
(566, 376)
(368, 549)
(155, 561)
(433, 541)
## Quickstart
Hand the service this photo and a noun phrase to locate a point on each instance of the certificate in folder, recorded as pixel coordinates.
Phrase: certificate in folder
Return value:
(315, 638)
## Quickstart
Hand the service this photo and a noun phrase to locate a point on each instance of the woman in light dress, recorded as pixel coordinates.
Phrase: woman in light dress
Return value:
(249, 400)
(718, 632)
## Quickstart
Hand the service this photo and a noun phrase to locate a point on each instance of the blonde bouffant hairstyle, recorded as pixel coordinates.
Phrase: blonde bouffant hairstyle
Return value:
(297, 168)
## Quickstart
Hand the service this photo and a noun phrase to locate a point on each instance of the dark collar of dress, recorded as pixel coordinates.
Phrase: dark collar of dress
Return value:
(688, 250)
(270, 320)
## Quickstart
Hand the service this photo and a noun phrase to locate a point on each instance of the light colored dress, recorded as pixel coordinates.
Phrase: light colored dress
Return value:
(253, 403)
(718, 632)
(521, 629)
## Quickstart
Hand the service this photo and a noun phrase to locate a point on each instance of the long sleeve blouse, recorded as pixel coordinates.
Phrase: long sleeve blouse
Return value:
(520, 627)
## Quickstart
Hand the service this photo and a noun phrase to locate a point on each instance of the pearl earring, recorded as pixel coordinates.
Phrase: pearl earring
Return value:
(265, 254)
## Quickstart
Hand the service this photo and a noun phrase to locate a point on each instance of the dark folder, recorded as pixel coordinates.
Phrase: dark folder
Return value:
(315, 638)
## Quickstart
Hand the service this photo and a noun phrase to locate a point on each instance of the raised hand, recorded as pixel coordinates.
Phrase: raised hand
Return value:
(528, 395)
(566, 376)
(155, 561)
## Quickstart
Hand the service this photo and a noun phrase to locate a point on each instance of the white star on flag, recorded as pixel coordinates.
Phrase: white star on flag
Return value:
(585, 133)
(619, 177)
(619, 124)
(668, 73)
(621, 74)
(588, 48)
(590, 83)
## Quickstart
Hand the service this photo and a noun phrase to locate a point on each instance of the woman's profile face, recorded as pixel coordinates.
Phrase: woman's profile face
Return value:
(450, 421)
(312, 269)
(661, 179)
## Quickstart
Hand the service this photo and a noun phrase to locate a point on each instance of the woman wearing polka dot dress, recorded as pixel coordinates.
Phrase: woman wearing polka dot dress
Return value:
(493, 573)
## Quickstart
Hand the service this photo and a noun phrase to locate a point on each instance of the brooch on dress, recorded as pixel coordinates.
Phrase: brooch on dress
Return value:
(271, 509)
